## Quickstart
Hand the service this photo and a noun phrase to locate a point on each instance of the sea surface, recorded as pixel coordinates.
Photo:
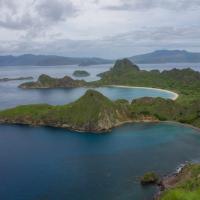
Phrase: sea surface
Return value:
(57, 164)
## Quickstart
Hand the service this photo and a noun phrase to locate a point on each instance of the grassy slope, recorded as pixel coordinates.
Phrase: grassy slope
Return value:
(187, 186)
(93, 111)
(186, 82)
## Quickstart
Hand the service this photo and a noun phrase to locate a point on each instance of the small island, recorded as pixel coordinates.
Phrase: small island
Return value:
(81, 73)
(45, 81)
(149, 178)
(16, 79)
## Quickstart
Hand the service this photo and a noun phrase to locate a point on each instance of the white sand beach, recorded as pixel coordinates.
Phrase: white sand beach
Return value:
(175, 95)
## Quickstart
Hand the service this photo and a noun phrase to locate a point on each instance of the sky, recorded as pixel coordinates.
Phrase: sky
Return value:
(98, 28)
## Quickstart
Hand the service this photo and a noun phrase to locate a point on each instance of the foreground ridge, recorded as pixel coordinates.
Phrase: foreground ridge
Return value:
(94, 112)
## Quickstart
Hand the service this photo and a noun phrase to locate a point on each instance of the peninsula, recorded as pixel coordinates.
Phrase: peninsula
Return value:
(182, 185)
(96, 113)
(93, 112)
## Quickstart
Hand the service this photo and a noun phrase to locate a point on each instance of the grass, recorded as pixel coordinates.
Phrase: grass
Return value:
(187, 186)
(92, 111)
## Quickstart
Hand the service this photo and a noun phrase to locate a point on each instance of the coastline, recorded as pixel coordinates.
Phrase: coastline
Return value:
(175, 95)
(183, 124)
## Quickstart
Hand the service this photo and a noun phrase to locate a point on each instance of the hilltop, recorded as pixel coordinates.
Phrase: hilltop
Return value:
(93, 112)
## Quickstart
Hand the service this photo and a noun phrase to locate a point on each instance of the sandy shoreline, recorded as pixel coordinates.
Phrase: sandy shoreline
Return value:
(175, 95)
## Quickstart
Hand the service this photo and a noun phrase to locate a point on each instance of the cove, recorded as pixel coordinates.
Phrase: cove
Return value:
(49, 163)
(12, 96)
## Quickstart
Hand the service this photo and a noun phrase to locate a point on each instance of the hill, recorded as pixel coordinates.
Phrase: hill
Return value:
(45, 81)
(185, 82)
(93, 112)
(49, 60)
(167, 56)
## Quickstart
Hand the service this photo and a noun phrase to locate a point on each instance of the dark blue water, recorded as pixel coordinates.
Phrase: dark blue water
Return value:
(48, 163)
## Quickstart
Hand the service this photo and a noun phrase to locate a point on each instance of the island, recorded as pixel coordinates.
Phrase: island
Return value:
(149, 178)
(45, 81)
(81, 73)
(16, 79)
(182, 185)
(96, 113)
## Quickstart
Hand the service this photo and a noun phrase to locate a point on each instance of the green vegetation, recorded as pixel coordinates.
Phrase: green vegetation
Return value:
(167, 110)
(185, 82)
(185, 186)
(81, 73)
(96, 112)
(92, 112)
(45, 81)
(149, 178)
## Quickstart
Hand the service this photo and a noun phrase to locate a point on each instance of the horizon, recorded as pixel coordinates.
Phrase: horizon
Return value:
(98, 28)
(79, 56)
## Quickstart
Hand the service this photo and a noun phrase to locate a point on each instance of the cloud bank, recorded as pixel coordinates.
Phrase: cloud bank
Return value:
(114, 28)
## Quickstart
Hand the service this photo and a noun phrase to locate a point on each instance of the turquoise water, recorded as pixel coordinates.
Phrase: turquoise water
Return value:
(12, 96)
(56, 164)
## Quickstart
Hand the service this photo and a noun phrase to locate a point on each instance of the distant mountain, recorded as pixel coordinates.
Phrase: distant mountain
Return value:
(167, 56)
(44, 60)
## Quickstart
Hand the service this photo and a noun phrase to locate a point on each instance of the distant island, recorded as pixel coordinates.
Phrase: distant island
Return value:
(16, 79)
(45, 81)
(167, 56)
(49, 60)
(96, 113)
(81, 73)
(156, 57)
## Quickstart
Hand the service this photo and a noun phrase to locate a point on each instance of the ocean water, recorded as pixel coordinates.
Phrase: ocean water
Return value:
(51, 164)
(57, 164)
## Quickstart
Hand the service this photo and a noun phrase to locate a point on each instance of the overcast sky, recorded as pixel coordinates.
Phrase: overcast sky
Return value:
(103, 28)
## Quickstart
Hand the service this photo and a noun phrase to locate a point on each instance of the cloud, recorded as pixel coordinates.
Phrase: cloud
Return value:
(152, 4)
(89, 28)
(123, 45)
(34, 14)
(55, 10)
